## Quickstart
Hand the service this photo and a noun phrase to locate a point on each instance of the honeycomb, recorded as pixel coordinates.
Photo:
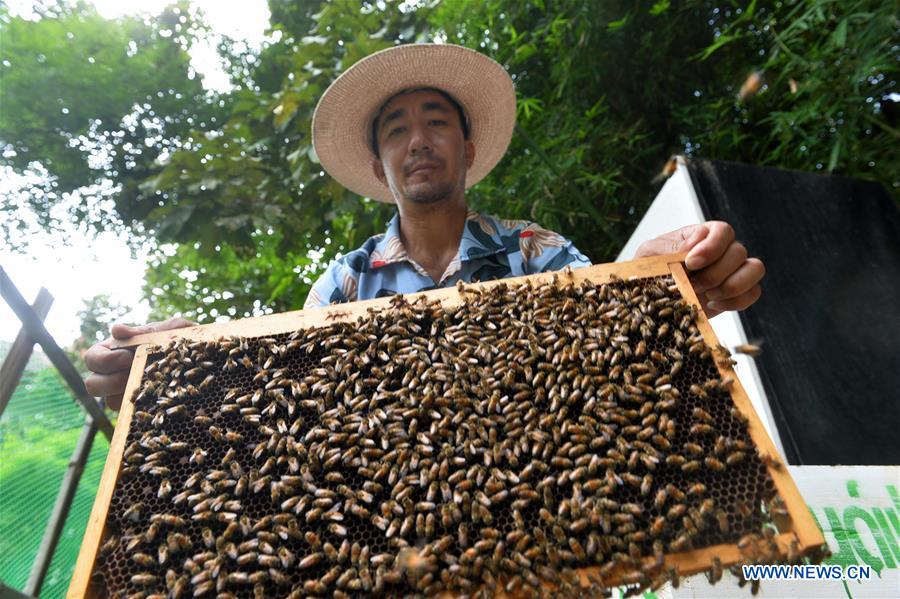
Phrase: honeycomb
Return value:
(525, 433)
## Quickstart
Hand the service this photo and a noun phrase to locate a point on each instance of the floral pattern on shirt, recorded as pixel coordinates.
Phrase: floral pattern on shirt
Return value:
(533, 240)
(490, 249)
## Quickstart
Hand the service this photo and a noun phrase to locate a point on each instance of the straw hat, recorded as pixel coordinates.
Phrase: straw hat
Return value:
(343, 118)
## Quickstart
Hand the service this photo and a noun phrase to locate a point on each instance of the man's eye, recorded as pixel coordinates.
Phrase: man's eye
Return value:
(395, 131)
(438, 122)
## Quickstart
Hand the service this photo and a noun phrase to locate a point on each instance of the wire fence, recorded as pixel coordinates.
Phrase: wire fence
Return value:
(38, 433)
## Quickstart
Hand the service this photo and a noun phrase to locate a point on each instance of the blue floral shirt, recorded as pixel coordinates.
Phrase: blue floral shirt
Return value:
(490, 248)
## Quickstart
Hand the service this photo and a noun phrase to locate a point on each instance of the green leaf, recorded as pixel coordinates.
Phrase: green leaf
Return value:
(659, 7)
(615, 25)
(279, 289)
(748, 14)
(839, 37)
(285, 111)
(525, 51)
(526, 106)
(835, 154)
(721, 41)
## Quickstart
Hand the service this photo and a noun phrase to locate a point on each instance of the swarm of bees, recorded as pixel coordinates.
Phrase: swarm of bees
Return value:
(496, 445)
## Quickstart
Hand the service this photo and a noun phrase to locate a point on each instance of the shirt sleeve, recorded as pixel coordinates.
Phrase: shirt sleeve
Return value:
(338, 284)
(546, 251)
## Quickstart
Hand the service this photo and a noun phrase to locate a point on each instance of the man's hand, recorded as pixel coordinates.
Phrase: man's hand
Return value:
(720, 271)
(110, 367)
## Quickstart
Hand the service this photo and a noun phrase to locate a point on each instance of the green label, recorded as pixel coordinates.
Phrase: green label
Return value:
(850, 524)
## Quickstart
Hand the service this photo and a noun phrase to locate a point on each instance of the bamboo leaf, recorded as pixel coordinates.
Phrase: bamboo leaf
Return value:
(616, 25)
(722, 40)
(835, 154)
(659, 7)
(839, 38)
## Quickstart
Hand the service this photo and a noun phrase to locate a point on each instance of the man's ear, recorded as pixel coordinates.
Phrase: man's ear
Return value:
(470, 153)
(378, 169)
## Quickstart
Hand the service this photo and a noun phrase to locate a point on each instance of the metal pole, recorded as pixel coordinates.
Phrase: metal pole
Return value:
(17, 358)
(61, 509)
(55, 354)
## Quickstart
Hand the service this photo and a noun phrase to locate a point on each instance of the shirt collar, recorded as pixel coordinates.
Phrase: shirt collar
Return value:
(481, 237)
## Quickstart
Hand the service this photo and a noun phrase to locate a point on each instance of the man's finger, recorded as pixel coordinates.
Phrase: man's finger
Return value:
(114, 402)
(713, 275)
(123, 331)
(741, 302)
(712, 247)
(680, 240)
(740, 281)
(126, 331)
(106, 385)
(102, 360)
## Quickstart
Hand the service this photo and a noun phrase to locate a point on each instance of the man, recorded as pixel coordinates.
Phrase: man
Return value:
(416, 125)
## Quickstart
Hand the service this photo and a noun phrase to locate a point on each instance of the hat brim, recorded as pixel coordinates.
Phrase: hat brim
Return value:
(343, 118)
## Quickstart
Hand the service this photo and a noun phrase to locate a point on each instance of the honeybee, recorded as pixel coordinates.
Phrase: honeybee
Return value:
(690, 467)
(702, 414)
(169, 520)
(698, 391)
(777, 507)
(681, 543)
(165, 489)
(770, 461)
(715, 571)
(747, 543)
(658, 526)
(749, 349)
(735, 458)
(143, 579)
(109, 545)
(677, 460)
(713, 464)
(179, 410)
(706, 507)
(701, 429)
(697, 489)
(722, 520)
(133, 512)
(793, 553)
(660, 500)
(693, 449)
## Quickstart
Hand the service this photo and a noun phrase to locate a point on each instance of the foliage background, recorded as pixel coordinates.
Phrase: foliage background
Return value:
(227, 188)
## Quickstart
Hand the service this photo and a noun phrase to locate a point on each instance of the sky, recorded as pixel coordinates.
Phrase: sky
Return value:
(87, 266)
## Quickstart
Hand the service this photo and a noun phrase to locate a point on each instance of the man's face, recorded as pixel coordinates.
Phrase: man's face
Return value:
(424, 156)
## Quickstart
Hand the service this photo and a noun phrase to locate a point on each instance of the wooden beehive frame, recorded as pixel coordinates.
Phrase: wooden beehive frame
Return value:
(800, 527)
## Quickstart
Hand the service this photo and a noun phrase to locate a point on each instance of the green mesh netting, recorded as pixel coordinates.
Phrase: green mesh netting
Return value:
(38, 433)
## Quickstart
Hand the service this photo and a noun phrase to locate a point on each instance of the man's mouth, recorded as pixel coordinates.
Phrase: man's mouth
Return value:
(422, 167)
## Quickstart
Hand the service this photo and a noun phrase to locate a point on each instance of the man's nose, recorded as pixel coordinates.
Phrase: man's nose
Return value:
(419, 141)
